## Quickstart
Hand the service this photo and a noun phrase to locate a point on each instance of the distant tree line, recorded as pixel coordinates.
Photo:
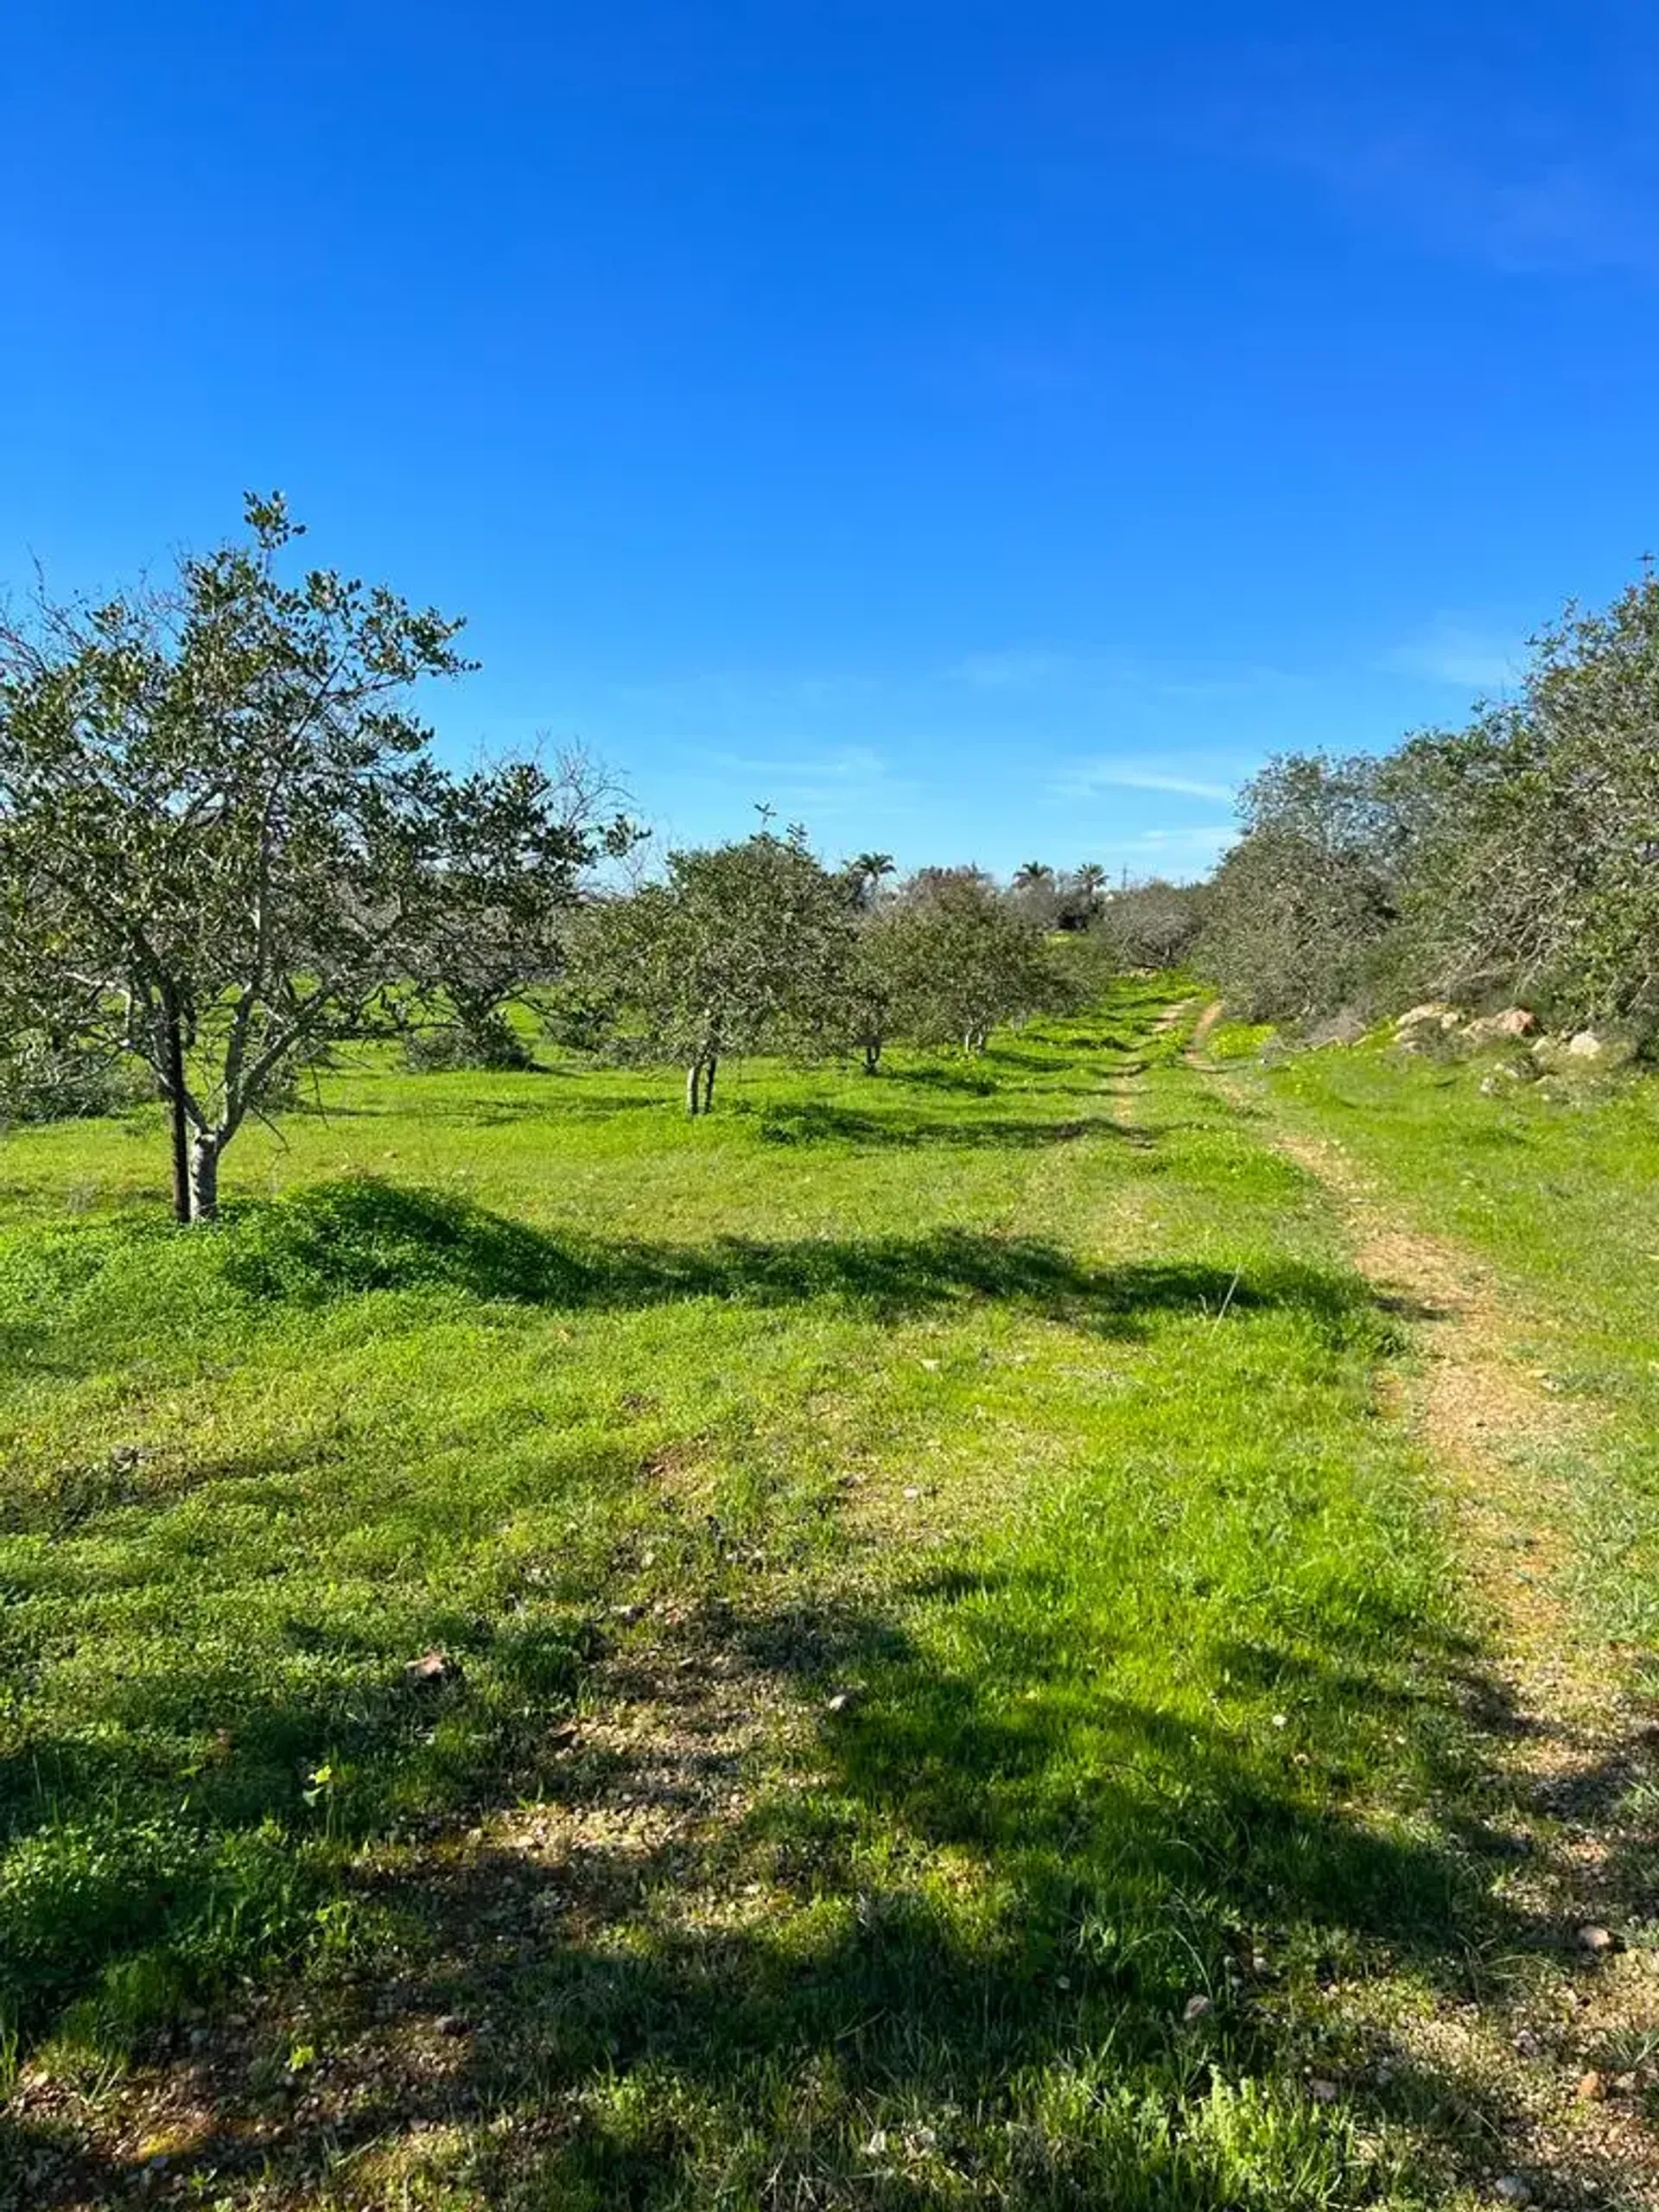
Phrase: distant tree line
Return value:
(1515, 858)
(757, 945)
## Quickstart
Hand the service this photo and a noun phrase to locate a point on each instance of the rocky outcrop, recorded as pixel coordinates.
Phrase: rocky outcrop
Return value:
(1500, 1028)
(1435, 1013)
(1585, 1051)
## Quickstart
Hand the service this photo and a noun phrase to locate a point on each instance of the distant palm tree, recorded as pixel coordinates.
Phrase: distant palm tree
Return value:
(1090, 877)
(868, 868)
(1030, 874)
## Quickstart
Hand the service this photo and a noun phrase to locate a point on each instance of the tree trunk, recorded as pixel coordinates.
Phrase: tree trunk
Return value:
(694, 1087)
(708, 1081)
(204, 1177)
(871, 1055)
(181, 1127)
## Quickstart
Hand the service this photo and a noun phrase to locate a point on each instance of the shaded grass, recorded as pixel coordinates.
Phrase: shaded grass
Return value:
(1026, 1493)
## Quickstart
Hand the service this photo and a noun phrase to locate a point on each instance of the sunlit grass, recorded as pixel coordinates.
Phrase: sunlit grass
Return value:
(1009, 1430)
(1555, 1184)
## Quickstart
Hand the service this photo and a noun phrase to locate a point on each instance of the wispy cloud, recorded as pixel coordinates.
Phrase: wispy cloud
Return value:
(1021, 670)
(1454, 651)
(1085, 777)
(1522, 194)
(1033, 668)
(1205, 836)
(844, 781)
(845, 764)
(728, 695)
(1177, 850)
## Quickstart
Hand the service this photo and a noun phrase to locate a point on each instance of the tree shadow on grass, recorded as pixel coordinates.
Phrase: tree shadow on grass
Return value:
(340, 1239)
(965, 1081)
(956, 1949)
(1022, 1059)
(819, 1123)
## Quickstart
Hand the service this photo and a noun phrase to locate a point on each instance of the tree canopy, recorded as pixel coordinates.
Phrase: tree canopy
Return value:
(1517, 855)
(224, 843)
(737, 947)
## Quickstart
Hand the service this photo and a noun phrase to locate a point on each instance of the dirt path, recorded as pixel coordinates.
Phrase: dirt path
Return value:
(1561, 2056)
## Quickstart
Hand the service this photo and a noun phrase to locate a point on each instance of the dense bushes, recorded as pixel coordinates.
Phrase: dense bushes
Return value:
(44, 1078)
(1149, 924)
(948, 959)
(1517, 857)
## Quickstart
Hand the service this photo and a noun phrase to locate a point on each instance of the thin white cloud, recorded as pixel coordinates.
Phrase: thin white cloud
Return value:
(1000, 671)
(1101, 676)
(1525, 194)
(1457, 652)
(845, 764)
(1162, 851)
(839, 783)
(1087, 777)
(1203, 836)
(738, 694)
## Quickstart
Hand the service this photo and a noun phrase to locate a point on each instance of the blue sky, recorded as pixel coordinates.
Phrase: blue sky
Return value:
(985, 431)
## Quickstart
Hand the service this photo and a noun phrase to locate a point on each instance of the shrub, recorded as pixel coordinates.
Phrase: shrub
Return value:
(491, 1043)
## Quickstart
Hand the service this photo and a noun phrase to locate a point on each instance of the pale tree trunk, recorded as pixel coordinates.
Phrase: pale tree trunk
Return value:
(694, 1087)
(204, 1176)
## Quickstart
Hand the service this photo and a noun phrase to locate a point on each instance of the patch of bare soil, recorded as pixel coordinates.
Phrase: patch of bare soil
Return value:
(1206, 1022)
(1558, 2063)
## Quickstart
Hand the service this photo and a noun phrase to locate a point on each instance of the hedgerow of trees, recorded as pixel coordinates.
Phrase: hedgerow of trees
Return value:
(757, 946)
(1515, 858)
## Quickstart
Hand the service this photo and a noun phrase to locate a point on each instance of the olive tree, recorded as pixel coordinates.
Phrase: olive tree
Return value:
(1149, 924)
(737, 948)
(1299, 912)
(1534, 832)
(952, 958)
(503, 927)
(224, 844)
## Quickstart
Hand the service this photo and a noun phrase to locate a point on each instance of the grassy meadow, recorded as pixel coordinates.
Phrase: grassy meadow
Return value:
(880, 1649)
(1554, 1186)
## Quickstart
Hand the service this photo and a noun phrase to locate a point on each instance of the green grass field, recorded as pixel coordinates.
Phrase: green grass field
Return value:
(938, 1659)
(1558, 1188)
